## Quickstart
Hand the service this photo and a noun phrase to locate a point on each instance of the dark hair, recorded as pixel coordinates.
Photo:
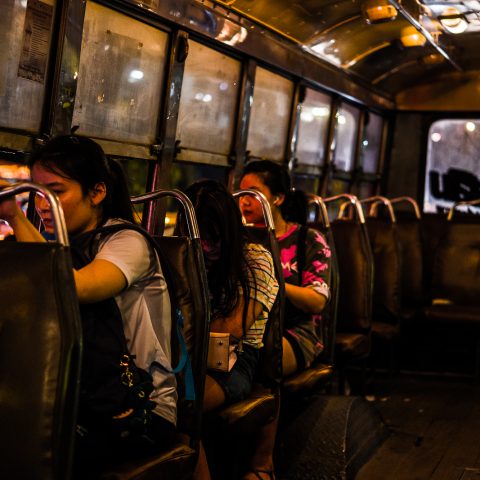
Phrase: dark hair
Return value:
(219, 219)
(83, 160)
(276, 178)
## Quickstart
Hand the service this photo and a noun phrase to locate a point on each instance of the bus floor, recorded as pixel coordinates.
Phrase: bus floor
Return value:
(434, 429)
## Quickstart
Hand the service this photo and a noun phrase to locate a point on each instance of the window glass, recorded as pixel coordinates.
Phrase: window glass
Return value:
(453, 170)
(208, 101)
(186, 173)
(270, 115)
(120, 77)
(371, 143)
(345, 137)
(308, 184)
(25, 37)
(136, 173)
(313, 128)
(365, 190)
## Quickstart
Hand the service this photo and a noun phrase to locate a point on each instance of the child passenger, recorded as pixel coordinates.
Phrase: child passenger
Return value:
(93, 193)
(242, 287)
(305, 258)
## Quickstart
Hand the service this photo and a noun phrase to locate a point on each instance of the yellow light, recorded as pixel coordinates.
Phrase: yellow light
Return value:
(378, 11)
(411, 37)
(470, 126)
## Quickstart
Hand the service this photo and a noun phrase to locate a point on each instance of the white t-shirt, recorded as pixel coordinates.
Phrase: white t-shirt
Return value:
(146, 311)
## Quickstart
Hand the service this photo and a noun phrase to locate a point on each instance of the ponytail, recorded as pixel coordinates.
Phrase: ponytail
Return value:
(117, 204)
(294, 207)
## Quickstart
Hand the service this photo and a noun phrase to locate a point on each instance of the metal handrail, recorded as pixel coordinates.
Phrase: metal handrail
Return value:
(320, 207)
(461, 204)
(56, 209)
(375, 201)
(267, 212)
(351, 200)
(411, 201)
(187, 206)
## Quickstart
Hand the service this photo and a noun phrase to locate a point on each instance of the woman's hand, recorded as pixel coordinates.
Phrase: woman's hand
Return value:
(9, 210)
(305, 298)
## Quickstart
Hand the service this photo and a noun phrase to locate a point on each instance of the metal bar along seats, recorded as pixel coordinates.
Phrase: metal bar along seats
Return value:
(355, 266)
(184, 258)
(40, 352)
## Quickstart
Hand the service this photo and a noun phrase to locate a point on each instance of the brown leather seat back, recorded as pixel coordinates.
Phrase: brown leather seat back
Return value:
(184, 259)
(40, 352)
(387, 266)
(433, 227)
(456, 272)
(355, 267)
(410, 240)
(270, 365)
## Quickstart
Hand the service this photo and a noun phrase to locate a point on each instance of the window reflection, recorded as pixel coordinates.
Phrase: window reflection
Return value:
(208, 101)
(345, 137)
(306, 183)
(371, 143)
(313, 128)
(22, 68)
(270, 115)
(120, 77)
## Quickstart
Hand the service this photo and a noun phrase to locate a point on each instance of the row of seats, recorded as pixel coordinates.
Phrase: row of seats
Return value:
(381, 276)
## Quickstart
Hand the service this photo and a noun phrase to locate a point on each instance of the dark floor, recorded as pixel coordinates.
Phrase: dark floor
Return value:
(434, 428)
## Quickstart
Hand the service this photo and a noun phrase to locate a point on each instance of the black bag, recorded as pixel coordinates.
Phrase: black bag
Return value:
(114, 392)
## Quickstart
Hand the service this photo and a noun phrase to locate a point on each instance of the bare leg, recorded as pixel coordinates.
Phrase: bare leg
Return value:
(214, 395)
(289, 362)
(201, 469)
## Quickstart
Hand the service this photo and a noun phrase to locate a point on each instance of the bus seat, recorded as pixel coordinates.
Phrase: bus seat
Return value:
(412, 269)
(320, 373)
(386, 312)
(456, 281)
(354, 317)
(40, 355)
(184, 258)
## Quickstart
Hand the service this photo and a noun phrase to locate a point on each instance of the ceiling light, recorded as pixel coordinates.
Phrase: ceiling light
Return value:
(411, 37)
(378, 11)
(453, 20)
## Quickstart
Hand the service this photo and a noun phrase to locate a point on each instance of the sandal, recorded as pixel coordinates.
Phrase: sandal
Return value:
(270, 474)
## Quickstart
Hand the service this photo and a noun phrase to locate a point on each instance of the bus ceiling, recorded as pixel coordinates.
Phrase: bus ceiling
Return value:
(408, 49)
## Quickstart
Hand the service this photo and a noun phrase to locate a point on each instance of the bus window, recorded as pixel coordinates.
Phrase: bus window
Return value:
(307, 183)
(371, 143)
(452, 171)
(120, 77)
(208, 102)
(270, 115)
(313, 130)
(345, 137)
(25, 37)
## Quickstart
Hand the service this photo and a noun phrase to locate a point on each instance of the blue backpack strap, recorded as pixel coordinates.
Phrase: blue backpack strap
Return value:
(184, 364)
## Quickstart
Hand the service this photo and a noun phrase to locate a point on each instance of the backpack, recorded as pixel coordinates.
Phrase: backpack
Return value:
(114, 392)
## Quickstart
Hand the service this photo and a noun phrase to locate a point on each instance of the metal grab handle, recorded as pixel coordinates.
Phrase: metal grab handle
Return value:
(411, 201)
(375, 201)
(59, 224)
(320, 207)
(187, 206)
(350, 200)
(267, 212)
(461, 204)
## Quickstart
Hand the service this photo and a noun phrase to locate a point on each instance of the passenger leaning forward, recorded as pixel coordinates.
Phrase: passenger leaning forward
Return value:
(242, 287)
(93, 193)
